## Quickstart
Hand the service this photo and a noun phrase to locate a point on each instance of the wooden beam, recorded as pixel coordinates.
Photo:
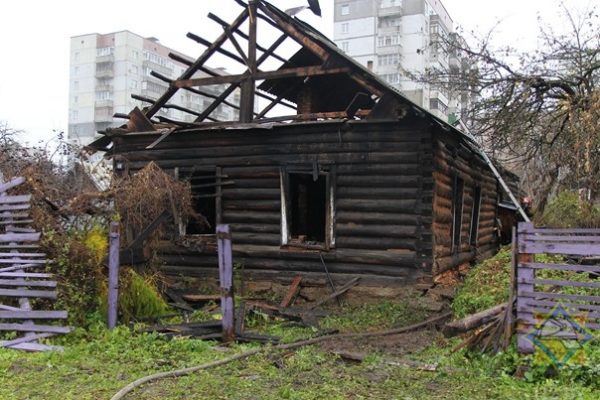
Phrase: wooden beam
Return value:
(305, 41)
(249, 83)
(11, 184)
(299, 72)
(195, 66)
(34, 328)
(221, 50)
(33, 314)
(245, 36)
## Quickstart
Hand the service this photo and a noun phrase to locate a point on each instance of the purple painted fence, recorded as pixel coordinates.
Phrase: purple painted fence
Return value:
(540, 288)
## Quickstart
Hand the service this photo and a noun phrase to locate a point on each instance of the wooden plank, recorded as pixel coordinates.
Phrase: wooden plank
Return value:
(8, 308)
(559, 248)
(21, 261)
(572, 311)
(22, 254)
(17, 229)
(557, 231)
(35, 347)
(113, 274)
(292, 292)
(19, 246)
(546, 295)
(226, 281)
(14, 207)
(564, 267)
(7, 343)
(339, 292)
(15, 199)
(16, 222)
(299, 72)
(24, 275)
(46, 294)
(11, 184)
(11, 215)
(555, 238)
(561, 283)
(552, 304)
(24, 283)
(20, 267)
(19, 237)
(33, 314)
(34, 328)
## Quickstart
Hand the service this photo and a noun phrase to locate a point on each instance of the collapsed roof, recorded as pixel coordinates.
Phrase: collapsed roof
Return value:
(318, 82)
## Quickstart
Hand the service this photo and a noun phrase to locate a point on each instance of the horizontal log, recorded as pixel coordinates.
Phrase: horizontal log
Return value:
(379, 180)
(445, 263)
(377, 193)
(233, 217)
(15, 199)
(24, 339)
(375, 243)
(257, 183)
(256, 238)
(46, 294)
(33, 314)
(34, 347)
(410, 168)
(21, 267)
(376, 218)
(400, 206)
(34, 328)
(384, 231)
(251, 194)
(11, 184)
(25, 283)
(256, 228)
(253, 205)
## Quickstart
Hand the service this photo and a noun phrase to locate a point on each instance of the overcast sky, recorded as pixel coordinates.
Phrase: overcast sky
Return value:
(34, 40)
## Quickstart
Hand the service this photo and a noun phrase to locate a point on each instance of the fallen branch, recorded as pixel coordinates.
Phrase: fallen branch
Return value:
(186, 371)
(472, 321)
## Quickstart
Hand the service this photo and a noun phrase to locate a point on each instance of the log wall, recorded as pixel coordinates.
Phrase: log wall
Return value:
(453, 159)
(384, 193)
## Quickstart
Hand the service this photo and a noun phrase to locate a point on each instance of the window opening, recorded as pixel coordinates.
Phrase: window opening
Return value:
(308, 201)
(203, 185)
(457, 211)
(475, 216)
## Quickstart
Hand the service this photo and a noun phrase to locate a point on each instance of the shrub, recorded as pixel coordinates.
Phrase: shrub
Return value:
(568, 210)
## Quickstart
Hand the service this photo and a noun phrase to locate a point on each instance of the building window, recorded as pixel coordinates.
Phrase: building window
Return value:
(474, 231)
(75, 115)
(75, 99)
(105, 51)
(135, 54)
(345, 46)
(457, 212)
(75, 85)
(133, 84)
(204, 186)
(345, 9)
(76, 71)
(103, 95)
(388, 59)
(308, 207)
(134, 69)
(345, 27)
(437, 104)
(76, 56)
(388, 40)
(391, 78)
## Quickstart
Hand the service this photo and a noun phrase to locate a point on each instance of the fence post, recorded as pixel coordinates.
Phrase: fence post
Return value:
(113, 274)
(524, 274)
(226, 282)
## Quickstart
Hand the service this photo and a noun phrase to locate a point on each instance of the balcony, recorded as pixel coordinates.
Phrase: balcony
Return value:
(104, 73)
(107, 58)
(396, 10)
(103, 86)
(161, 69)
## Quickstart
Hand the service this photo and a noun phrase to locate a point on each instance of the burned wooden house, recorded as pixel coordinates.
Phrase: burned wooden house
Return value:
(355, 177)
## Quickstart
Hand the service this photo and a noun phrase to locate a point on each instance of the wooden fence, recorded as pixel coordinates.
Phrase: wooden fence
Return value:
(18, 284)
(542, 287)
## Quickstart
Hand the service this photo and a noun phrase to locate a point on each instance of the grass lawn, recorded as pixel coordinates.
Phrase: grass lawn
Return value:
(97, 363)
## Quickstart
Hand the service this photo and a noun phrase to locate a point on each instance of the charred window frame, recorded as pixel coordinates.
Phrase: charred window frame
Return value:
(458, 190)
(308, 206)
(206, 200)
(475, 215)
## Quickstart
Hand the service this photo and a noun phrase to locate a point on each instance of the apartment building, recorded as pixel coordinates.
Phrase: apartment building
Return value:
(106, 69)
(400, 38)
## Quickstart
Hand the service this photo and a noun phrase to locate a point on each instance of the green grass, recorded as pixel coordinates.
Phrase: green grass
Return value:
(96, 363)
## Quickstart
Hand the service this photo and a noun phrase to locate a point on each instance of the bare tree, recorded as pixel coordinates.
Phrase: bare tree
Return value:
(541, 108)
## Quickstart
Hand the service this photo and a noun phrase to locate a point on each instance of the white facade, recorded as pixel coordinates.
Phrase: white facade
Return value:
(397, 38)
(105, 70)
